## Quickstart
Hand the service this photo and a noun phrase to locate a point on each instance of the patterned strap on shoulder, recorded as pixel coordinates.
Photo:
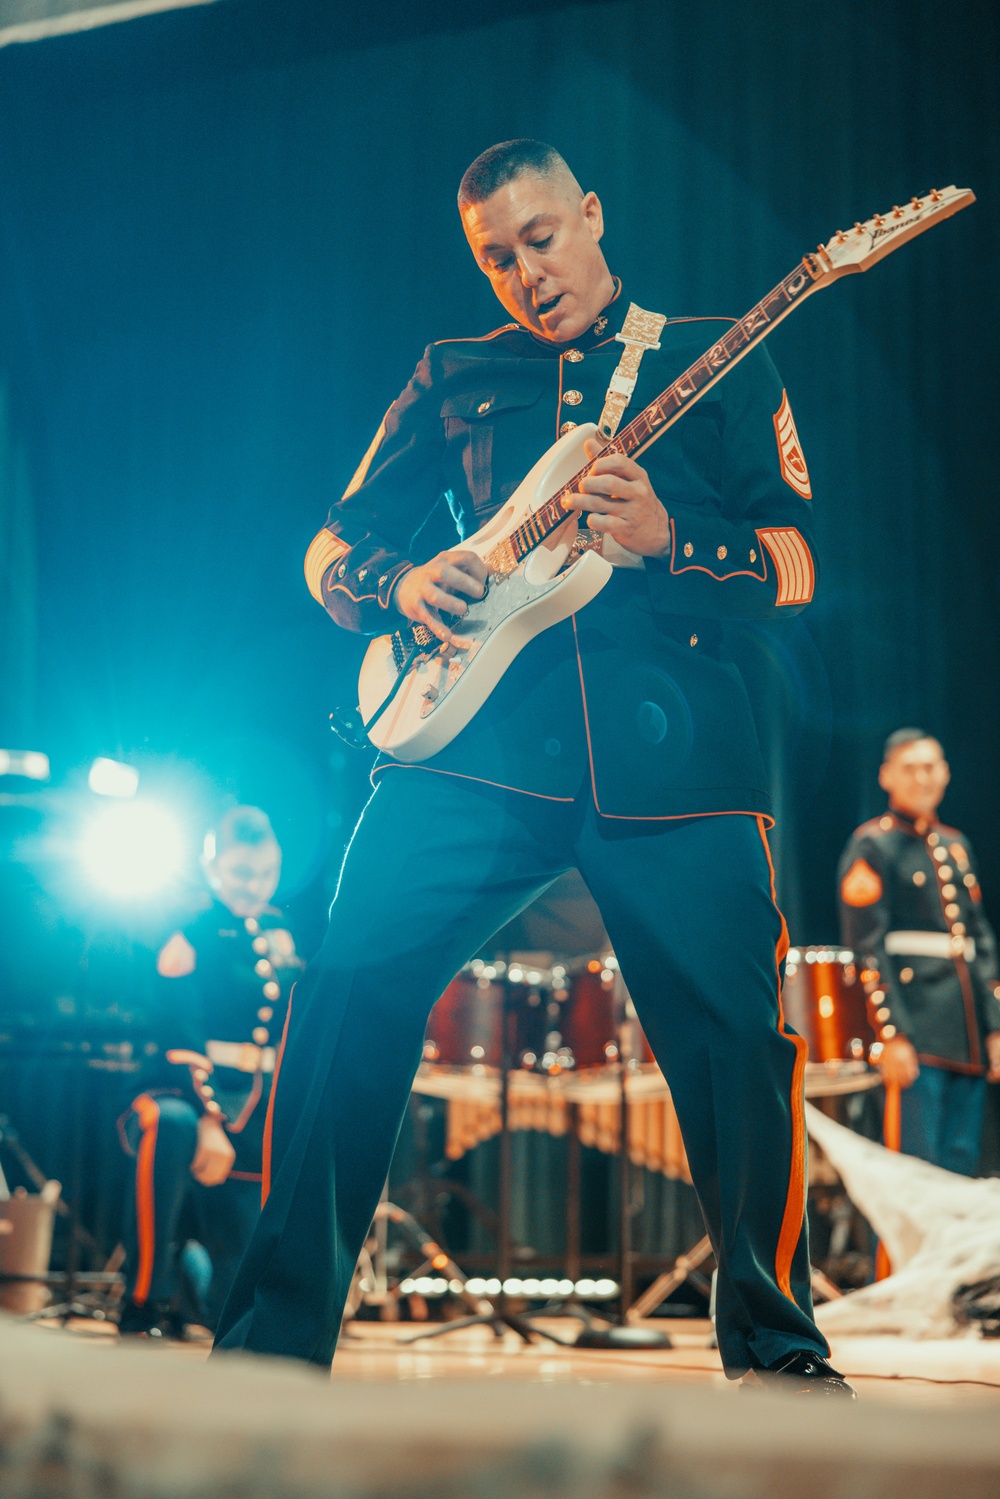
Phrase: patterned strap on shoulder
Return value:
(640, 331)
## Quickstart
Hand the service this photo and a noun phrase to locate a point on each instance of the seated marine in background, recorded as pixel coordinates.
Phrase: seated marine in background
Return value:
(196, 1125)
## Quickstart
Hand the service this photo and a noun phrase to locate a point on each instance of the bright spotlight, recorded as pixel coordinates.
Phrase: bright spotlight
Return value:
(132, 849)
(113, 778)
(31, 764)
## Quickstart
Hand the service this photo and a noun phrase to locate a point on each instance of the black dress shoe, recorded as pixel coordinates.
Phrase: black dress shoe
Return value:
(800, 1373)
(156, 1320)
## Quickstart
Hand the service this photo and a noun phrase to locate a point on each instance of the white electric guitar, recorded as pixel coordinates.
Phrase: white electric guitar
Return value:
(415, 694)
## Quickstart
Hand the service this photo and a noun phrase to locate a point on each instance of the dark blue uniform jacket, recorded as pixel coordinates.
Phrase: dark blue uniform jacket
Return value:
(636, 693)
(898, 876)
(235, 997)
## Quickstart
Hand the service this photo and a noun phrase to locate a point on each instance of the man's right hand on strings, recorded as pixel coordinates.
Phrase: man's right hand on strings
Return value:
(439, 587)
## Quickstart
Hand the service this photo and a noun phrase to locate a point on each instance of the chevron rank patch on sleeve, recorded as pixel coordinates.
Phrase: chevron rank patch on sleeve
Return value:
(793, 564)
(790, 454)
(861, 885)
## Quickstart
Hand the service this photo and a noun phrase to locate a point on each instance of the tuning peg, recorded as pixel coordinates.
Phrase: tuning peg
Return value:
(897, 212)
(841, 237)
(859, 228)
(916, 202)
(935, 195)
(878, 221)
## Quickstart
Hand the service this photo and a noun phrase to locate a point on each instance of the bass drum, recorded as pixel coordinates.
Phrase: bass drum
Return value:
(598, 1015)
(824, 1001)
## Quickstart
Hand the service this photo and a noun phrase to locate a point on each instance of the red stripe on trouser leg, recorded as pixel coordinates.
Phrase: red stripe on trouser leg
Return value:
(265, 1170)
(891, 1132)
(795, 1201)
(148, 1111)
(891, 1123)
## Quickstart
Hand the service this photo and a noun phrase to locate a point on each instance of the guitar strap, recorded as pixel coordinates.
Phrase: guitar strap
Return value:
(640, 331)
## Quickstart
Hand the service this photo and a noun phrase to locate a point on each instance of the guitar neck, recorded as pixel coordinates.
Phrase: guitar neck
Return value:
(670, 405)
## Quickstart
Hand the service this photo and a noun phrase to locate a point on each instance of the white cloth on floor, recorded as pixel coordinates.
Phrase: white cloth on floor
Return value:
(941, 1231)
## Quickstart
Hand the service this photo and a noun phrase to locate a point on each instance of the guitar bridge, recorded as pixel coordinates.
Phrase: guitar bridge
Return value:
(403, 641)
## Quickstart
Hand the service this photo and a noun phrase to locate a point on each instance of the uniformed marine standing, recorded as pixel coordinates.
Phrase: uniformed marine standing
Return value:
(196, 1127)
(911, 910)
(620, 742)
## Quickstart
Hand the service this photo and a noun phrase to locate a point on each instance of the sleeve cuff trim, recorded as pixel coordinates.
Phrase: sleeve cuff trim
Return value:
(697, 567)
(324, 550)
(182, 1058)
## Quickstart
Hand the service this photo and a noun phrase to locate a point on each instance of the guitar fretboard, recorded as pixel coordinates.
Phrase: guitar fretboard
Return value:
(661, 414)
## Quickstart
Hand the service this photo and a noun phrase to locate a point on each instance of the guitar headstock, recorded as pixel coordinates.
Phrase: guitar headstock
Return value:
(863, 246)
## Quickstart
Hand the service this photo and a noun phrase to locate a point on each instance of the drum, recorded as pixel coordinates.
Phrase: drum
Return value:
(596, 1003)
(824, 1001)
(465, 1028)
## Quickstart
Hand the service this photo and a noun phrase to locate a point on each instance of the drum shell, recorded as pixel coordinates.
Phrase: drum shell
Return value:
(590, 1019)
(465, 1027)
(824, 1001)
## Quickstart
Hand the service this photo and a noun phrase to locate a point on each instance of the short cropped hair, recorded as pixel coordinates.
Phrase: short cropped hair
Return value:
(903, 737)
(243, 826)
(502, 163)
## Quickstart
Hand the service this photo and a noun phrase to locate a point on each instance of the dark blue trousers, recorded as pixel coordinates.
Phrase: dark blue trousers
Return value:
(436, 865)
(165, 1206)
(941, 1119)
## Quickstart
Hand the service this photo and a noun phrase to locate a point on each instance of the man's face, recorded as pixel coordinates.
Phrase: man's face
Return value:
(915, 776)
(539, 243)
(245, 876)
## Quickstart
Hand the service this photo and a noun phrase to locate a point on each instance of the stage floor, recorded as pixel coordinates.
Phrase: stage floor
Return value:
(937, 1373)
(87, 1413)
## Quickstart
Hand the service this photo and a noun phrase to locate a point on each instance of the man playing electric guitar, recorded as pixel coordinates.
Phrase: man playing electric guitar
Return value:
(620, 742)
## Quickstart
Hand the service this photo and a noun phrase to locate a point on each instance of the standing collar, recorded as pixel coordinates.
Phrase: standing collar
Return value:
(601, 331)
(921, 826)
